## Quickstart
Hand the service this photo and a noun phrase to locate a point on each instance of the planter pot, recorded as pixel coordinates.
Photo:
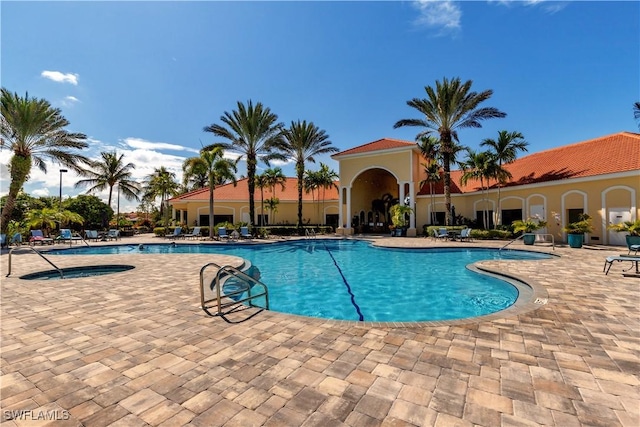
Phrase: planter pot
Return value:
(575, 240)
(528, 239)
(632, 240)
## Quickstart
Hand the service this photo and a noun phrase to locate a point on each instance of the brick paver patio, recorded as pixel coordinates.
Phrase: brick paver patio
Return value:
(135, 349)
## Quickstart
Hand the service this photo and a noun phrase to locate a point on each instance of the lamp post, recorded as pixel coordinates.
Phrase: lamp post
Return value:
(61, 172)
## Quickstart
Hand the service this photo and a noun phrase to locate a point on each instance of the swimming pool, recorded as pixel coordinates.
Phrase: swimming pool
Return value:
(353, 280)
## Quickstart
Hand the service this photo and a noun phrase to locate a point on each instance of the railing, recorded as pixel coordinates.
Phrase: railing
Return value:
(39, 254)
(553, 243)
(224, 273)
(309, 233)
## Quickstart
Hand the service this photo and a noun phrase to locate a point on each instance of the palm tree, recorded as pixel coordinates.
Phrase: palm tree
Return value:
(46, 218)
(194, 174)
(432, 171)
(272, 205)
(636, 112)
(34, 132)
(326, 179)
(161, 183)
(275, 177)
(311, 181)
(108, 172)
(505, 150)
(304, 141)
(479, 166)
(261, 183)
(447, 108)
(254, 132)
(218, 170)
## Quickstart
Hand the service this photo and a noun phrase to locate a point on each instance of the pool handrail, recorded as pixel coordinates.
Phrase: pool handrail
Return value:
(553, 243)
(39, 254)
(229, 270)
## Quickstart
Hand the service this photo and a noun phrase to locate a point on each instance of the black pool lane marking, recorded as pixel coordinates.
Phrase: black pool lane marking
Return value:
(344, 279)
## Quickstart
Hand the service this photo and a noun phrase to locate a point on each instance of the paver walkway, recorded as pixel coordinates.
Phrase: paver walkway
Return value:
(135, 349)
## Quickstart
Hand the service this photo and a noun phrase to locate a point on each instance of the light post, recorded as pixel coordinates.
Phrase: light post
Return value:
(61, 172)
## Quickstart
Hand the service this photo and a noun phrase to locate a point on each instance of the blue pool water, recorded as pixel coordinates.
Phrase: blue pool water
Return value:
(352, 280)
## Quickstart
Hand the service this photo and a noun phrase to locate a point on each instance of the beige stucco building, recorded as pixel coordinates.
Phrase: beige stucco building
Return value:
(600, 177)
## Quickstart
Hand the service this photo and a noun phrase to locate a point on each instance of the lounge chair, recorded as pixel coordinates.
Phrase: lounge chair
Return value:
(113, 234)
(222, 234)
(195, 233)
(244, 233)
(177, 232)
(38, 237)
(610, 259)
(66, 235)
(634, 248)
(16, 239)
(91, 235)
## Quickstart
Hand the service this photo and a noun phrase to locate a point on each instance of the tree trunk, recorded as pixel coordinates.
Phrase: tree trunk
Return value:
(251, 175)
(20, 167)
(211, 216)
(300, 173)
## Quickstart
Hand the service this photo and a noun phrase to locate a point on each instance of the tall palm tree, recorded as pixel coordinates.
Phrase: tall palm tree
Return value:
(479, 166)
(261, 183)
(218, 170)
(108, 172)
(253, 132)
(636, 112)
(449, 107)
(161, 183)
(275, 177)
(505, 150)
(34, 131)
(304, 141)
(326, 179)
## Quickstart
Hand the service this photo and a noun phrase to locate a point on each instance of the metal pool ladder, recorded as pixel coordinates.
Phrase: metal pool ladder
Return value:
(223, 301)
(39, 254)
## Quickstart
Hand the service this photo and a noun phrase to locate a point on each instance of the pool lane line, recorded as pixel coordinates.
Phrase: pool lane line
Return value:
(344, 279)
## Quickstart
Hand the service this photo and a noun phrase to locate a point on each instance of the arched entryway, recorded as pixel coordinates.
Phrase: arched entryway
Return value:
(370, 196)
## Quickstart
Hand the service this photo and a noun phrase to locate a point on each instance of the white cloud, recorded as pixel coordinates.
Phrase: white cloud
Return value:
(68, 101)
(281, 162)
(438, 14)
(546, 5)
(59, 77)
(139, 143)
(40, 192)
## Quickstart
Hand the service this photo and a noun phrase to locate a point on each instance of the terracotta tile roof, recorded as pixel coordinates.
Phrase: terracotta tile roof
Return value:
(381, 144)
(609, 154)
(240, 192)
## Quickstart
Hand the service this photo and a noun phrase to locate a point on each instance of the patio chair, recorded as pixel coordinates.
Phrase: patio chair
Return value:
(465, 234)
(244, 233)
(441, 234)
(38, 237)
(113, 234)
(222, 234)
(177, 232)
(195, 233)
(91, 235)
(634, 248)
(66, 235)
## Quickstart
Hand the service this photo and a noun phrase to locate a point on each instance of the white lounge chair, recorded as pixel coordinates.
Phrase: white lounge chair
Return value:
(177, 232)
(113, 234)
(465, 234)
(631, 258)
(441, 234)
(91, 235)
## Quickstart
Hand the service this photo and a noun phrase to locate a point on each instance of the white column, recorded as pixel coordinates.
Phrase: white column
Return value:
(341, 222)
(412, 205)
(348, 222)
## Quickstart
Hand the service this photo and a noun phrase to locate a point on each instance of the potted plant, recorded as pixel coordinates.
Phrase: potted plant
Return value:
(576, 230)
(398, 220)
(631, 227)
(527, 227)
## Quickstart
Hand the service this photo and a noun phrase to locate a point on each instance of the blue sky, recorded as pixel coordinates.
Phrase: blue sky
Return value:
(144, 78)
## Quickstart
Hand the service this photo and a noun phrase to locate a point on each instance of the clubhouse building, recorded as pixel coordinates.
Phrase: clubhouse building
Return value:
(600, 177)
